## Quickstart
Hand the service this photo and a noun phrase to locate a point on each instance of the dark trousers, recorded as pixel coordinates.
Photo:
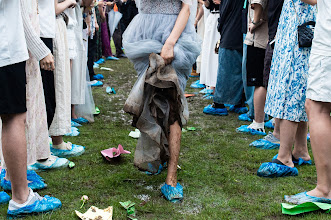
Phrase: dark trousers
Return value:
(117, 37)
(49, 86)
(92, 49)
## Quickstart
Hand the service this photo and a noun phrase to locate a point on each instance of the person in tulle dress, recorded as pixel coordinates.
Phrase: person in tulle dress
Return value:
(161, 27)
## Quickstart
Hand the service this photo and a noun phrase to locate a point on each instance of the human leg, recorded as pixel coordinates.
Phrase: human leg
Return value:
(15, 154)
(174, 149)
(259, 103)
(320, 127)
(300, 146)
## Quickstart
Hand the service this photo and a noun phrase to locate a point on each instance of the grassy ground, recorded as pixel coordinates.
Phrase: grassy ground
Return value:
(218, 167)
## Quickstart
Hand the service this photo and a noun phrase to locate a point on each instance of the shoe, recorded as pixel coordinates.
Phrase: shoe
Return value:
(100, 61)
(304, 197)
(253, 129)
(4, 198)
(53, 162)
(173, 194)
(272, 169)
(98, 83)
(244, 117)
(71, 150)
(110, 90)
(80, 120)
(74, 132)
(96, 66)
(299, 161)
(34, 205)
(197, 85)
(238, 110)
(152, 169)
(35, 182)
(98, 76)
(208, 97)
(112, 58)
(210, 110)
(97, 111)
(267, 143)
(206, 91)
(270, 124)
(75, 124)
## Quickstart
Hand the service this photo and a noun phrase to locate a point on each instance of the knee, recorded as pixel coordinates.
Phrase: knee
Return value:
(308, 105)
(13, 118)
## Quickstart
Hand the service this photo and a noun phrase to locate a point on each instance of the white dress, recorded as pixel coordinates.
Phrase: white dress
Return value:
(201, 33)
(209, 59)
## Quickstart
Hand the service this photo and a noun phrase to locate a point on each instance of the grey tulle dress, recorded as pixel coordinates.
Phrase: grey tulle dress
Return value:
(146, 35)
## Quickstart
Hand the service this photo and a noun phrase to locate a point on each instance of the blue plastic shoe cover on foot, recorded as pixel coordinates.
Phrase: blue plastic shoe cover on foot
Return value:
(304, 197)
(215, 111)
(4, 197)
(264, 144)
(276, 170)
(173, 194)
(244, 117)
(246, 129)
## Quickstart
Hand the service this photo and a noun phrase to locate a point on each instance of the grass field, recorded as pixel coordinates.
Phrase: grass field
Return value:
(218, 167)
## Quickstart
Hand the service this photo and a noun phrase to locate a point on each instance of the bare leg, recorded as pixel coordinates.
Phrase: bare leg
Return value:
(288, 130)
(73, 114)
(276, 131)
(213, 88)
(320, 129)
(300, 146)
(57, 140)
(174, 148)
(260, 94)
(15, 154)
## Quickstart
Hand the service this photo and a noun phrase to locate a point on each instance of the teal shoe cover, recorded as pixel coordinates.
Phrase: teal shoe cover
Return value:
(304, 197)
(173, 194)
(246, 129)
(4, 198)
(244, 117)
(264, 144)
(76, 150)
(35, 183)
(276, 170)
(80, 120)
(299, 161)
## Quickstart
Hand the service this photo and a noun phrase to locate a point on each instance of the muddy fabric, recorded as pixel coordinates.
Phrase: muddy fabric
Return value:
(156, 101)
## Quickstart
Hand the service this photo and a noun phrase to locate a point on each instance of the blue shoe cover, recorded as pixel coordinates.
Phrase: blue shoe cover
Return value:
(74, 132)
(75, 124)
(238, 110)
(276, 170)
(197, 86)
(95, 66)
(215, 111)
(98, 76)
(80, 120)
(100, 61)
(173, 194)
(42, 205)
(208, 97)
(153, 171)
(304, 197)
(206, 91)
(58, 163)
(110, 90)
(269, 124)
(246, 129)
(4, 198)
(34, 183)
(99, 83)
(299, 161)
(264, 144)
(112, 58)
(76, 150)
(308, 137)
(244, 117)
(30, 174)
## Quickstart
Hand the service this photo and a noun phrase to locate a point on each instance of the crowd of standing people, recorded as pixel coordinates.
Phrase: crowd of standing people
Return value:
(250, 56)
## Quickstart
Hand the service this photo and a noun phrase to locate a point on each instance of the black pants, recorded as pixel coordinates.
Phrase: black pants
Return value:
(117, 37)
(92, 49)
(49, 86)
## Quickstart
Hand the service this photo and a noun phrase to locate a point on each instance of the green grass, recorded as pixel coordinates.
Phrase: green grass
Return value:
(218, 167)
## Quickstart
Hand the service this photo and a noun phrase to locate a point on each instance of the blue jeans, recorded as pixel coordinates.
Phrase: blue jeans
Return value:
(249, 90)
(229, 85)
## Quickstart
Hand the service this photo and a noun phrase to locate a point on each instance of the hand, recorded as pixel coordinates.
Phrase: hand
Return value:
(252, 27)
(72, 3)
(47, 63)
(217, 2)
(96, 26)
(167, 53)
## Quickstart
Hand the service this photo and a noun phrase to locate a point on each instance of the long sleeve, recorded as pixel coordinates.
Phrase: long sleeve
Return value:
(35, 45)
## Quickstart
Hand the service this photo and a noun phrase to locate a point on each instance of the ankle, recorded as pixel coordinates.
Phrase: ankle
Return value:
(21, 197)
(286, 160)
(172, 181)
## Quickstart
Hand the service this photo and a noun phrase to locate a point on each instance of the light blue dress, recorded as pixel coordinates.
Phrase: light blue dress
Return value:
(289, 69)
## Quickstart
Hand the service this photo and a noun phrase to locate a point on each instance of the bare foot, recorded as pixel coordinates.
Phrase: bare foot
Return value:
(320, 193)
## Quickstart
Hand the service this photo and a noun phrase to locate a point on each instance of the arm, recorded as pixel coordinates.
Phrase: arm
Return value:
(257, 21)
(199, 15)
(86, 3)
(311, 2)
(60, 7)
(224, 10)
(167, 52)
(96, 22)
(36, 47)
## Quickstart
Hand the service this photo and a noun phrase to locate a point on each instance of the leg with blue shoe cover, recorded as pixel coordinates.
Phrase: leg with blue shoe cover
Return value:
(172, 190)
(320, 129)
